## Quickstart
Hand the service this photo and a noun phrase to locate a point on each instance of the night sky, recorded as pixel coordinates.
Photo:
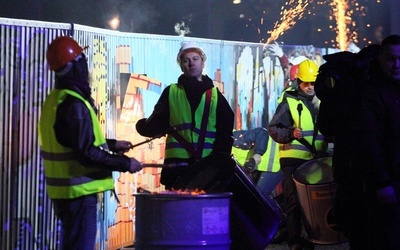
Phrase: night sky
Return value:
(215, 19)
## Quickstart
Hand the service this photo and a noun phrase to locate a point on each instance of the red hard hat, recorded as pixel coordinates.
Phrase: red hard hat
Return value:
(61, 51)
(293, 72)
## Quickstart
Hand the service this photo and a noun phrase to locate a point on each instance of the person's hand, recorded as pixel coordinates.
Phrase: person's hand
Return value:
(297, 133)
(135, 166)
(316, 102)
(275, 49)
(386, 195)
(122, 146)
(250, 165)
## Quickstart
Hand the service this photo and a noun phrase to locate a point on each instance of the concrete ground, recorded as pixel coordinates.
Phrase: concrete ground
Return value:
(284, 246)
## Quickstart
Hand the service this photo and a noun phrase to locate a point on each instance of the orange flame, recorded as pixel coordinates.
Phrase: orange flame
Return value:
(174, 191)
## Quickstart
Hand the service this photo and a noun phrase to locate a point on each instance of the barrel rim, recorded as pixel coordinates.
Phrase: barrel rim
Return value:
(183, 196)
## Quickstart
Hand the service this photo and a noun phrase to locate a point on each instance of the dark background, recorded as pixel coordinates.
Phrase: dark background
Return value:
(216, 19)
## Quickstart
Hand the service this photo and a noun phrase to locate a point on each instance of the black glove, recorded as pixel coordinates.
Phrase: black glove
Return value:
(135, 166)
(250, 165)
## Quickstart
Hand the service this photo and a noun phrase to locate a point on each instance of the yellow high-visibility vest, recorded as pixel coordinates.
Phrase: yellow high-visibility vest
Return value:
(66, 178)
(295, 149)
(187, 126)
(269, 160)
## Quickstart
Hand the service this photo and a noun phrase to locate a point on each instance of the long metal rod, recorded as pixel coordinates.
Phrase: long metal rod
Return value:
(143, 142)
(170, 165)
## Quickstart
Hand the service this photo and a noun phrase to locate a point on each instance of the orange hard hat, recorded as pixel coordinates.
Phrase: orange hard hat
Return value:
(61, 51)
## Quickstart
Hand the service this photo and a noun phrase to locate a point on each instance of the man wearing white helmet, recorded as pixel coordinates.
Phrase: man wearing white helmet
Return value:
(294, 127)
(199, 124)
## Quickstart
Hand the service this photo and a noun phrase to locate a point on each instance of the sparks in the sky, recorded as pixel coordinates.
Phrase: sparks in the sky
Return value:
(290, 13)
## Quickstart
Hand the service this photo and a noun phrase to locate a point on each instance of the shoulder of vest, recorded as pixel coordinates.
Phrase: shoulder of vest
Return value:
(291, 94)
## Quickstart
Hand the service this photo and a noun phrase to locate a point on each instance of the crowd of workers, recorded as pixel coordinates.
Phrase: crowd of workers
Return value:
(357, 109)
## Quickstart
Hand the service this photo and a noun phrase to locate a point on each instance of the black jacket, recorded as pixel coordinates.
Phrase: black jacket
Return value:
(379, 132)
(73, 128)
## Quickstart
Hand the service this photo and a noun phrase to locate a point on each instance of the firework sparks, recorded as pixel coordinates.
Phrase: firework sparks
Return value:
(343, 17)
(289, 16)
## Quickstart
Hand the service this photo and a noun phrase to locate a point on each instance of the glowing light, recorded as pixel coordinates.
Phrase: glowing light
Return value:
(341, 14)
(289, 16)
(237, 1)
(114, 23)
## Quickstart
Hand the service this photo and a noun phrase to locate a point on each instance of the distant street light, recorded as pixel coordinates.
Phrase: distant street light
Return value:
(114, 23)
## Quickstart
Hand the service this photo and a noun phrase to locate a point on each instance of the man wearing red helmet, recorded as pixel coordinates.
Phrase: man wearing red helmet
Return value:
(78, 160)
(199, 123)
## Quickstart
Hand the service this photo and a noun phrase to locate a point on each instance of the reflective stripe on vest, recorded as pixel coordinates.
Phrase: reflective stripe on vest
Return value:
(66, 178)
(269, 160)
(295, 149)
(186, 125)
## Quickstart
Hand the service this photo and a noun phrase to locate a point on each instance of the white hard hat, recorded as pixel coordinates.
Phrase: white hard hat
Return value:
(190, 45)
(297, 60)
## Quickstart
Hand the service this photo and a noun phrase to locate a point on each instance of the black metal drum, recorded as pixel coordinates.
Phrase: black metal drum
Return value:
(254, 217)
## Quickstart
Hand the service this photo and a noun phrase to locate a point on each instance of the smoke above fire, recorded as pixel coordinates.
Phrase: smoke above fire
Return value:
(181, 29)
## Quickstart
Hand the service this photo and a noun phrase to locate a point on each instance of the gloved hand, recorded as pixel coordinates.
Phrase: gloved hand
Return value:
(316, 102)
(122, 146)
(250, 165)
(386, 195)
(275, 49)
(135, 166)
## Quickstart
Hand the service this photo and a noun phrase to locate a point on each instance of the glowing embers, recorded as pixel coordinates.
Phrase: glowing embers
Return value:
(174, 191)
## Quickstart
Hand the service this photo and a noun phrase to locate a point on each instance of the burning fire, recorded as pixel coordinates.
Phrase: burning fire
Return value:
(186, 191)
(288, 18)
(174, 191)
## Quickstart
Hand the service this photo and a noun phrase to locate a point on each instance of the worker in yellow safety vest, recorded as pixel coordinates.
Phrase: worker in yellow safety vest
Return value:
(294, 127)
(258, 154)
(77, 159)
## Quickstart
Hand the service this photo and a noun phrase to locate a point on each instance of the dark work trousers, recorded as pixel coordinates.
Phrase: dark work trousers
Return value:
(79, 221)
(385, 219)
(293, 208)
(351, 213)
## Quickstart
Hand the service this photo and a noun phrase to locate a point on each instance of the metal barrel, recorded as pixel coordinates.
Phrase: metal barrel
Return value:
(316, 191)
(182, 221)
